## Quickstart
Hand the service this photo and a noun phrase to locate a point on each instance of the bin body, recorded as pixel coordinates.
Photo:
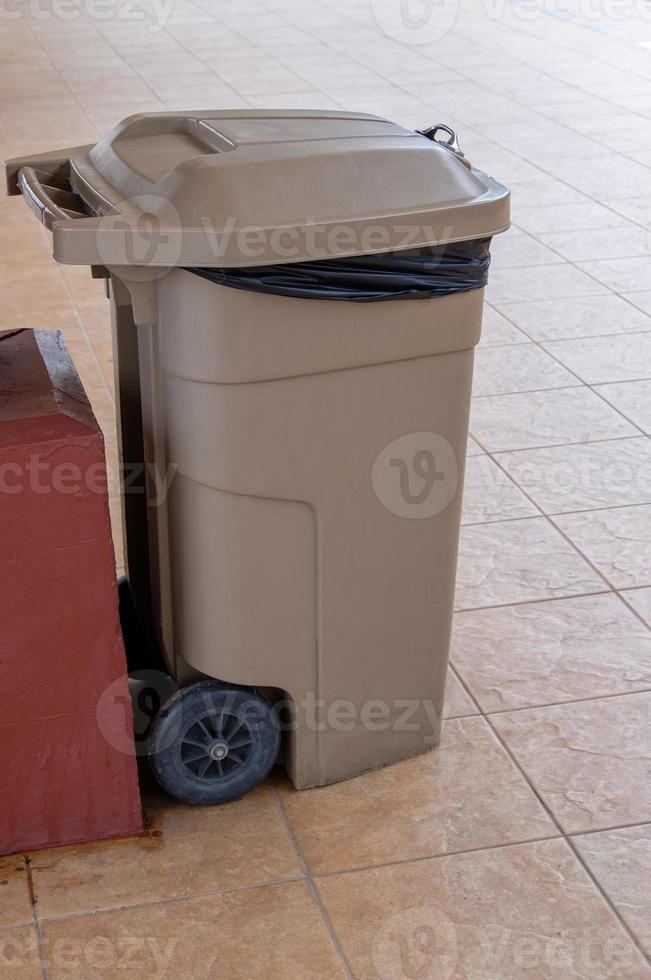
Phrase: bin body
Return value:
(275, 561)
(304, 457)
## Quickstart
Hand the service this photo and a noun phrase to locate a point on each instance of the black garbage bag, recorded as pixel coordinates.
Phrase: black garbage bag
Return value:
(413, 274)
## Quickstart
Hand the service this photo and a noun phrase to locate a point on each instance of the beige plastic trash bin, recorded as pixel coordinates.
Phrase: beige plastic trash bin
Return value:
(306, 544)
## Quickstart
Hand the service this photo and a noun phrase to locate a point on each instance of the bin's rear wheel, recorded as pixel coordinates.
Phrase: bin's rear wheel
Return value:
(213, 743)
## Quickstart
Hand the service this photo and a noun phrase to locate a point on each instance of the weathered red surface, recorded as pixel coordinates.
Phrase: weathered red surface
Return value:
(67, 765)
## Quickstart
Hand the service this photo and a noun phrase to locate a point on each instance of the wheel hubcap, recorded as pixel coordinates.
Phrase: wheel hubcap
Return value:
(219, 751)
(216, 745)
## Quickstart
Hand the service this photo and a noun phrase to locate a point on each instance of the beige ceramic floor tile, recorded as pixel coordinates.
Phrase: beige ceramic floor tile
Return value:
(641, 300)
(473, 449)
(293, 100)
(45, 87)
(190, 850)
(20, 955)
(275, 932)
(177, 62)
(21, 237)
(516, 250)
(458, 704)
(521, 367)
(67, 126)
(202, 85)
(608, 176)
(636, 209)
(519, 561)
(104, 116)
(598, 474)
(567, 217)
(93, 92)
(82, 287)
(95, 318)
(598, 243)
(490, 495)
(103, 352)
(27, 262)
(640, 599)
(497, 331)
(545, 418)
(546, 652)
(626, 357)
(540, 282)
(616, 541)
(621, 862)
(632, 399)
(589, 760)
(621, 275)
(543, 192)
(24, 304)
(560, 319)
(15, 900)
(511, 913)
(463, 795)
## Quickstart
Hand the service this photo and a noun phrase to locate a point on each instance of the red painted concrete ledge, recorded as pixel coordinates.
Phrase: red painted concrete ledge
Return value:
(67, 761)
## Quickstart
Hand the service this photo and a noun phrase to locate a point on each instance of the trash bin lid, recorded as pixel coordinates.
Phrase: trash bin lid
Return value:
(247, 188)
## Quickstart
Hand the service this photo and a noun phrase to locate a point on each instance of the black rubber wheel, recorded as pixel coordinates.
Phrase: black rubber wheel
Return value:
(212, 743)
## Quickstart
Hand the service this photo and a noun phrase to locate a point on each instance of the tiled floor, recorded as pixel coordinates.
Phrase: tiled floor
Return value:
(522, 846)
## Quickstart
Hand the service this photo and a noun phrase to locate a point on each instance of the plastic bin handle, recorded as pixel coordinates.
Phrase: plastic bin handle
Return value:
(48, 202)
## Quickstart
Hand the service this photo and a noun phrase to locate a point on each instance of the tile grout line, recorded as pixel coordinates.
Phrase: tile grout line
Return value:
(560, 513)
(528, 602)
(316, 897)
(170, 900)
(439, 856)
(606, 897)
(532, 391)
(609, 830)
(42, 955)
(593, 442)
(598, 510)
(528, 339)
(631, 607)
(562, 704)
(503, 309)
(551, 445)
(578, 550)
